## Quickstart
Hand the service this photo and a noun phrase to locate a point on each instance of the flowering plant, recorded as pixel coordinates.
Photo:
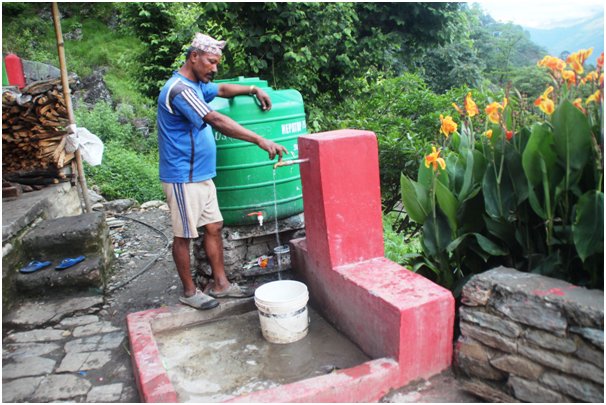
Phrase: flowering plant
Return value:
(499, 190)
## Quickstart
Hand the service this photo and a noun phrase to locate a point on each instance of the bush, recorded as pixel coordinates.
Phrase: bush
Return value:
(512, 190)
(402, 112)
(126, 174)
(397, 248)
(115, 126)
(130, 161)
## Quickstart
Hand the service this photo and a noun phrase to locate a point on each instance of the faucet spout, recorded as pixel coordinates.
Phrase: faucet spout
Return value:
(289, 162)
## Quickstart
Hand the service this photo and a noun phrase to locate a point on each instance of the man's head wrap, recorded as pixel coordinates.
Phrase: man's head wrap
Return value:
(207, 44)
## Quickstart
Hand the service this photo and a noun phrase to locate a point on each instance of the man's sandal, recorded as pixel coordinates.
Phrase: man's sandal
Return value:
(233, 291)
(199, 301)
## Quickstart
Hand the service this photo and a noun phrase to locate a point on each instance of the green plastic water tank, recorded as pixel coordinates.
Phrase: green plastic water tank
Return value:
(245, 175)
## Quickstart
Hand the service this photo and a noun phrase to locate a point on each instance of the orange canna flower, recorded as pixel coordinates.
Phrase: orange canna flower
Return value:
(594, 98)
(456, 107)
(555, 64)
(577, 59)
(591, 76)
(578, 103)
(600, 62)
(492, 110)
(434, 159)
(544, 102)
(470, 106)
(488, 134)
(448, 125)
(569, 77)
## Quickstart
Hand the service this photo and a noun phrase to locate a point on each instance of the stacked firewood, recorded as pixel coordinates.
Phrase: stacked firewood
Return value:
(34, 133)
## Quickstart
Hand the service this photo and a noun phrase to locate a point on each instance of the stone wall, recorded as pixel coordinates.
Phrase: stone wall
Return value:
(526, 337)
(242, 245)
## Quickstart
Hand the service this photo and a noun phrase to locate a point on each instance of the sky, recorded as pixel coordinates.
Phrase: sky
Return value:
(542, 13)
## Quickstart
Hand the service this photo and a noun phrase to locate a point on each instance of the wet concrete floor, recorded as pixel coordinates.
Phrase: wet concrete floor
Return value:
(214, 361)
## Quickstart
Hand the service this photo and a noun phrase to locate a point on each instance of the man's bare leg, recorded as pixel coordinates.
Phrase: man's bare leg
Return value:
(213, 246)
(183, 263)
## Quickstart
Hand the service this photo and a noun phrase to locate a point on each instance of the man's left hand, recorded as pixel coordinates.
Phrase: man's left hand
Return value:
(263, 99)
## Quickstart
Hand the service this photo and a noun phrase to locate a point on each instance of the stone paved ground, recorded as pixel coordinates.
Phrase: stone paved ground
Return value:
(75, 349)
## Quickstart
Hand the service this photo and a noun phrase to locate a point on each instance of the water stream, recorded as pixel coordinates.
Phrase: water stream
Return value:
(278, 253)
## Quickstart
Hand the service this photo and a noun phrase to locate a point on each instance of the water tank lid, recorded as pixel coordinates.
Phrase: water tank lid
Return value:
(244, 81)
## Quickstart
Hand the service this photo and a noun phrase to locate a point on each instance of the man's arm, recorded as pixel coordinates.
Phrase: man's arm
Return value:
(231, 128)
(232, 90)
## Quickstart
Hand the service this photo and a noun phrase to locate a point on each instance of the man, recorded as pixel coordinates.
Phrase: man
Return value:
(188, 162)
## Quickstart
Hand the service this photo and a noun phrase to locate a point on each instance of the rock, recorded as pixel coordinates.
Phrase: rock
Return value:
(79, 320)
(94, 329)
(35, 71)
(18, 351)
(575, 387)
(94, 197)
(488, 338)
(105, 393)
(48, 311)
(518, 365)
(94, 89)
(473, 358)
(95, 343)
(595, 336)
(75, 35)
(152, 204)
(27, 367)
(563, 363)
(61, 386)
(36, 335)
(19, 390)
(486, 391)
(533, 392)
(120, 205)
(142, 125)
(549, 341)
(83, 361)
(489, 321)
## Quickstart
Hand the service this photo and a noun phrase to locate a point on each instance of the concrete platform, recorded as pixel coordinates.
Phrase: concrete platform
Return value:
(365, 382)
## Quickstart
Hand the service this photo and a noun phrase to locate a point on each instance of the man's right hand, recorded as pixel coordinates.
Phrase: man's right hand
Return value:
(272, 148)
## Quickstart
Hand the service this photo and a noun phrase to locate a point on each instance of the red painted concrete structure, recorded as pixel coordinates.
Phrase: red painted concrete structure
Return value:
(384, 308)
(14, 70)
(402, 320)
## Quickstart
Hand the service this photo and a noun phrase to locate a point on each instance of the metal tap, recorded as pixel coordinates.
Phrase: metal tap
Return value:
(289, 162)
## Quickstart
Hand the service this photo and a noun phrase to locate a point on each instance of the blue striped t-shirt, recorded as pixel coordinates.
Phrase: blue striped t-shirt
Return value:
(186, 144)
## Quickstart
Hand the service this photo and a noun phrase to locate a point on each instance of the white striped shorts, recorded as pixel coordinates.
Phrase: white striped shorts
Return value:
(192, 205)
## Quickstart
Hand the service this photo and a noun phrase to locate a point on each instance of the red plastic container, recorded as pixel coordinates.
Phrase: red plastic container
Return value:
(14, 70)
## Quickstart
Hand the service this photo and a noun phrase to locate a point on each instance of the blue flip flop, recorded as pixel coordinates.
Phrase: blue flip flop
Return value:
(34, 266)
(69, 262)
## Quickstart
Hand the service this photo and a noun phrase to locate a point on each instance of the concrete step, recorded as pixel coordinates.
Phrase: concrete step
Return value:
(61, 238)
(68, 236)
(86, 275)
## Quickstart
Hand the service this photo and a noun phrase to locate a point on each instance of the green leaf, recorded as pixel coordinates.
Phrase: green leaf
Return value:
(513, 165)
(540, 146)
(448, 204)
(468, 176)
(436, 235)
(535, 204)
(489, 246)
(415, 198)
(572, 138)
(499, 196)
(588, 228)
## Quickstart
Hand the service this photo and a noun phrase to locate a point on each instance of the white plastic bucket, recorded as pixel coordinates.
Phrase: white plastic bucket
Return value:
(282, 309)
